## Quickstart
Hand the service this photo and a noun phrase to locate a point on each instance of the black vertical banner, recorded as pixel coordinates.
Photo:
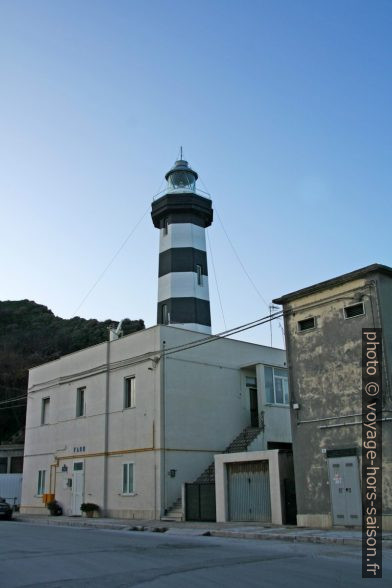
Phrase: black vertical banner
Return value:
(371, 453)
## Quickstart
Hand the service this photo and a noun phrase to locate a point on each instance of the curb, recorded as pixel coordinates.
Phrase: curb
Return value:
(294, 538)
(288, 538)
(80, 523)
(264, 536)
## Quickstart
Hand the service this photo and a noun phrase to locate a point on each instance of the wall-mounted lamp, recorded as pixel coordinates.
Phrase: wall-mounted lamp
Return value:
(64, 468)
(172, 473)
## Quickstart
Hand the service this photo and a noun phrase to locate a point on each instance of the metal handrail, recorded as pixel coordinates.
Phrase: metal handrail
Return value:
(197, 191)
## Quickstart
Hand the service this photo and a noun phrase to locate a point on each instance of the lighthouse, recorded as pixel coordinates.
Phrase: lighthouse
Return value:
(182, 214)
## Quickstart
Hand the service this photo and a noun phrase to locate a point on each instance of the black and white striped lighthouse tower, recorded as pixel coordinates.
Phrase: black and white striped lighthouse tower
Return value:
(182, 216)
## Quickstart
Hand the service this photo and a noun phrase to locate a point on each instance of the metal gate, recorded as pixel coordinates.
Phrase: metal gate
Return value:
(200, 502)
(249, 491)
(345, 490)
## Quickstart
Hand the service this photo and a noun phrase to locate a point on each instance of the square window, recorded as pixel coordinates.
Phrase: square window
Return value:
(306, 324)
(354, 310)
(129, 392)
(80, 405)
(128, 486)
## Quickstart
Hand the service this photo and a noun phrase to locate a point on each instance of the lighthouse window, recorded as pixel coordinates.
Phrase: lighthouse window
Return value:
(165, 314)
(199, 273)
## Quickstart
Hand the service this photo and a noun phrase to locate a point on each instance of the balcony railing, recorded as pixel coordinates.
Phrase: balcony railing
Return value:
(197, 191)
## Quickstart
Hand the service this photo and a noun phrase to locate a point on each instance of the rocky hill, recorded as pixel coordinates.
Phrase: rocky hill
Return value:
(30, 334)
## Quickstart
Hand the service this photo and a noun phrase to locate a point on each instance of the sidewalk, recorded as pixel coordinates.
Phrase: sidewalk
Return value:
(230, 530)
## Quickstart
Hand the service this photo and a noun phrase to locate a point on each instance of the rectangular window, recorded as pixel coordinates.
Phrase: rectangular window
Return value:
(276, 385)
(251, 382)
(16, 465)
(165, 314)
(165, 226)
(129, 393)
(41, 482)
(3, 465)
(128, 487)
(306, 324)
(45, 411)
(199, 272)
(354, 310)
(80, 406)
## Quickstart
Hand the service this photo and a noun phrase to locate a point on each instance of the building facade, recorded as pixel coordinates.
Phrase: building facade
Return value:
(125, 423)
(323, 326)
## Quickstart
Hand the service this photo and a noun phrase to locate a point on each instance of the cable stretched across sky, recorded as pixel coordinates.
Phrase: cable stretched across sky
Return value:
(101, 275)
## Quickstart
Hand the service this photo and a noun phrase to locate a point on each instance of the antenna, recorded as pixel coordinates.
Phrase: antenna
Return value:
(116, 332)
(181, 152)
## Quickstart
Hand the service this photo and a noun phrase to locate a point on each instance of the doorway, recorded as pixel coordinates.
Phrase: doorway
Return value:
(77, 487)
(254, 409)
(345, 490)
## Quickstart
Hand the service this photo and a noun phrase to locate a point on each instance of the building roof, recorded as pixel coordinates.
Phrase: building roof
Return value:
(359, 273)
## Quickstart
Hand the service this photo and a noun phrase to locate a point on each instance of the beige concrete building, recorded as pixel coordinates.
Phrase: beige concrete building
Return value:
(323, 326)
(125, 423)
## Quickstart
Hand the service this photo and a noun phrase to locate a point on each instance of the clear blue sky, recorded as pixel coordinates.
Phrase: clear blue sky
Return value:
(283, 107)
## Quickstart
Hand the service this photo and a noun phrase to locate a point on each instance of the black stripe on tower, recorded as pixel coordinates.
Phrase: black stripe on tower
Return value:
(182, 208)
(182, 259)
(185, 310)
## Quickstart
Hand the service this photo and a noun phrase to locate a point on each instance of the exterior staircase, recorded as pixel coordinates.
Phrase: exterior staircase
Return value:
(240, 443)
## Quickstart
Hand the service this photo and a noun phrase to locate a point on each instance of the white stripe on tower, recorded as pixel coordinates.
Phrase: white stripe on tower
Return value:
(182, 285)
(181, 235)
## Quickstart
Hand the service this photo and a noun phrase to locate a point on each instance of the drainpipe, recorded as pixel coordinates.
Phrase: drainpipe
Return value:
(106, 426)
(163, 430)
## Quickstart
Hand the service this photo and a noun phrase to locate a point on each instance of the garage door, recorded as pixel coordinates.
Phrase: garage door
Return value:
(249, 491)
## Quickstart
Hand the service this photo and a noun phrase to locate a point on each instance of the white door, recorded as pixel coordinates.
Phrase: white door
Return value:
(77, 487)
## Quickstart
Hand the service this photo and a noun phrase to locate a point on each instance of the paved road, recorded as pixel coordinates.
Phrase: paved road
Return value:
(54, 557)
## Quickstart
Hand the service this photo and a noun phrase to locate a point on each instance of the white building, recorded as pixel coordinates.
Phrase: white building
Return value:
(123, 425)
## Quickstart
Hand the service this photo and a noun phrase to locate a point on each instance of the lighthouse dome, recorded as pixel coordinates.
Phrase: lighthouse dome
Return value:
(181, 177)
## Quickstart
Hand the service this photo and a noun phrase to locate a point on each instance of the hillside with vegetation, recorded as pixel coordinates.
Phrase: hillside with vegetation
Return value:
(30, 334)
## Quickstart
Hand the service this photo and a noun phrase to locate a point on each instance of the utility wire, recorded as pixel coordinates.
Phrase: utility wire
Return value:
(224, 334)
(13, 399)
(216, 279)
(190, 345)
(240, 261)
(10, 407)
(236, 253)
(111, 261)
